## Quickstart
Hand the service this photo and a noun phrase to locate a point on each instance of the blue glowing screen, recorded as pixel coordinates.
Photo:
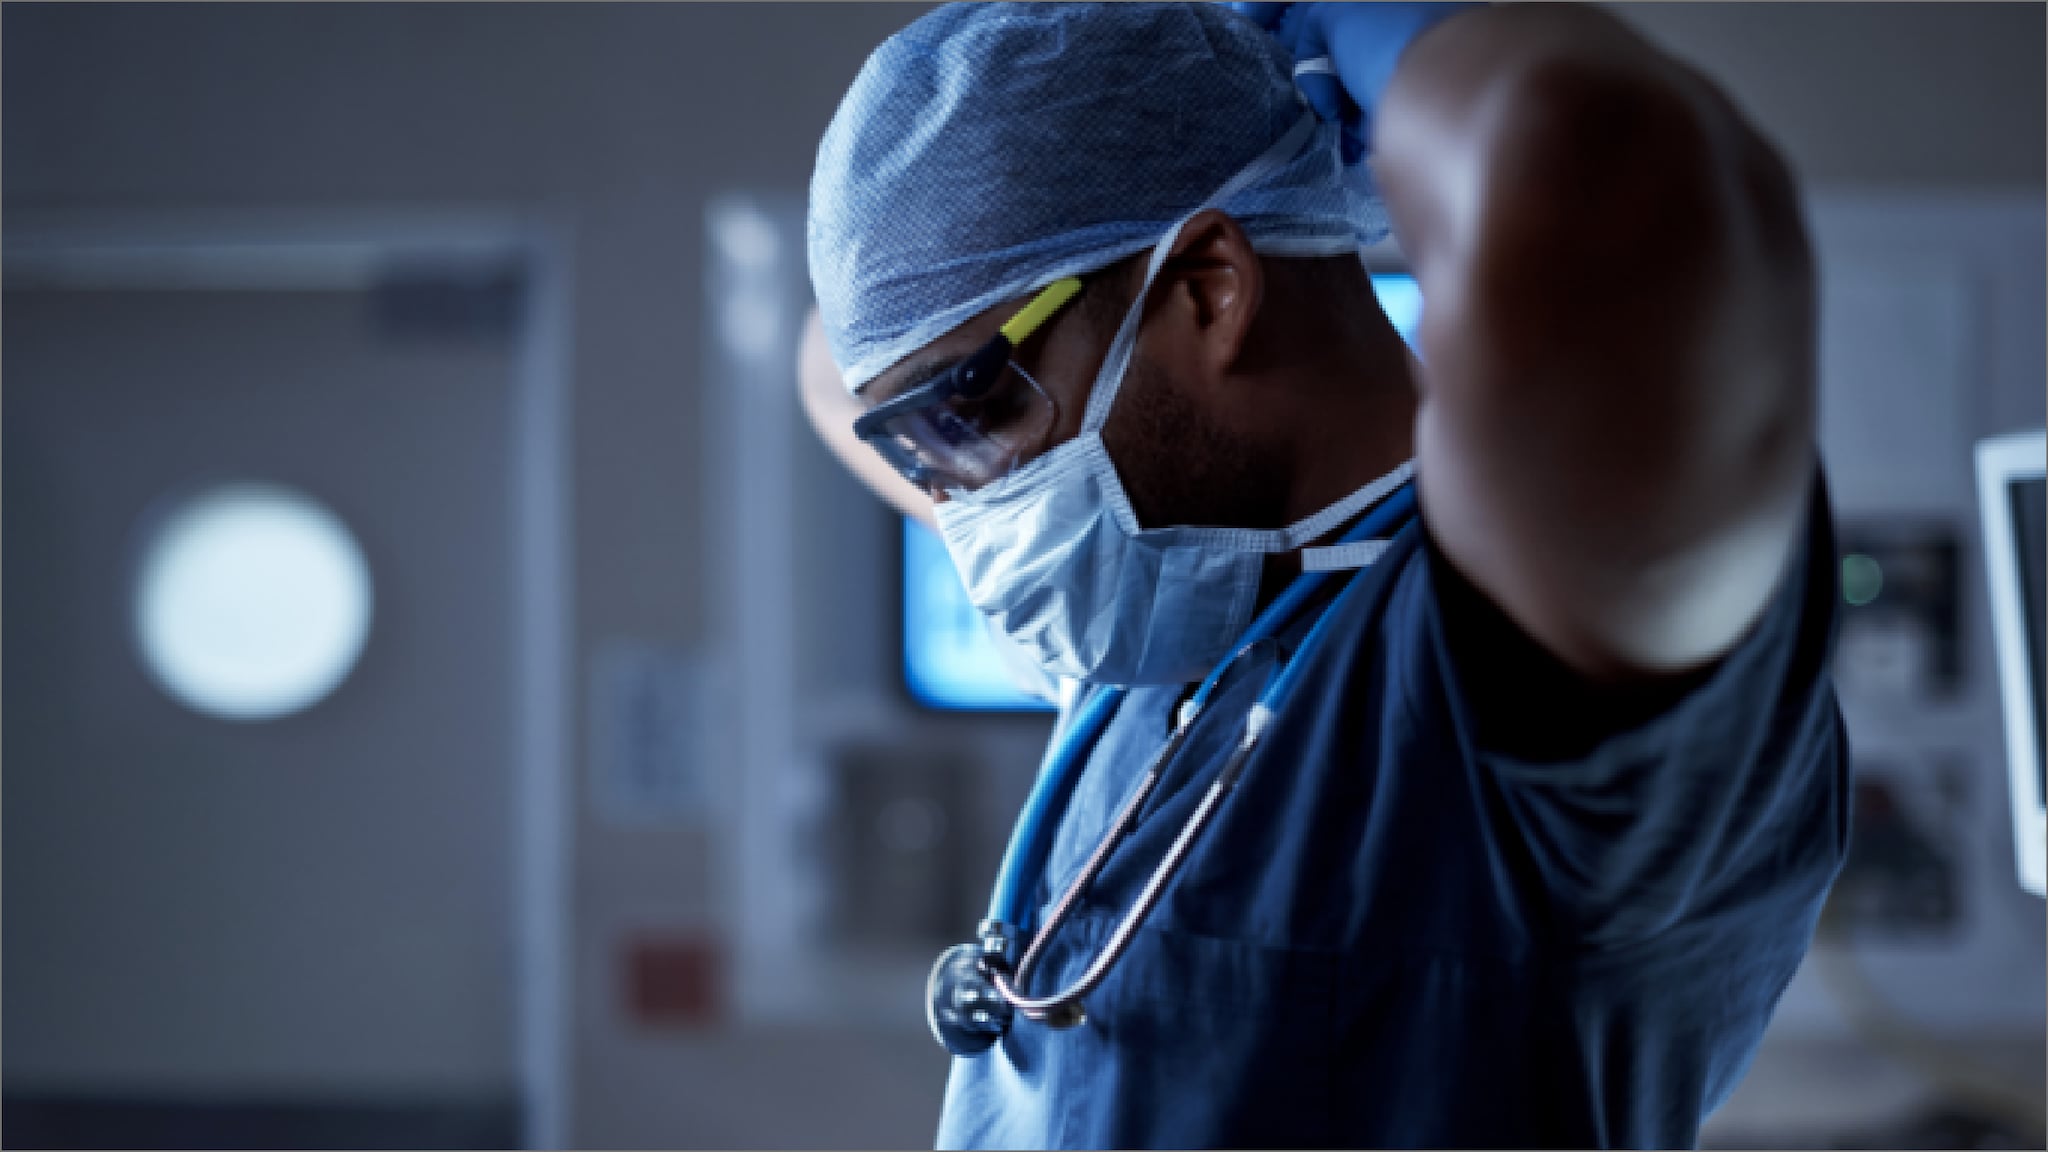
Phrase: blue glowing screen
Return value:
(949, 659)
(1401, 300)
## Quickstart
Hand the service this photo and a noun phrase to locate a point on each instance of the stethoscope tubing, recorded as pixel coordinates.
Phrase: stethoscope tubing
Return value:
(1061, 1009)
(1024, 857)
(1048, 1008)
(1031, 840)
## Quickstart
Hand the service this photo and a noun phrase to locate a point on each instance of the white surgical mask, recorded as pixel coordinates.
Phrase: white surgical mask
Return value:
(1054, 556)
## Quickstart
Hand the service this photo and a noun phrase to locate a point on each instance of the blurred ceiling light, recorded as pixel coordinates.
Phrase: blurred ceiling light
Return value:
(752, 321)
(251, 602)
(747, 237)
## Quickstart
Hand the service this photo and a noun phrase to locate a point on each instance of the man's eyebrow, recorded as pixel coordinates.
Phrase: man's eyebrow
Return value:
(921, 371)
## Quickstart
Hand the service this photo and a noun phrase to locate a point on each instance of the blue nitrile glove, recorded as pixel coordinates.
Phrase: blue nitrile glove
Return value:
(1358, 44)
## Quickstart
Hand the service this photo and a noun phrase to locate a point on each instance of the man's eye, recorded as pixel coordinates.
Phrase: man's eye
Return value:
(991, 412)
(951, 427)
(1005, 407)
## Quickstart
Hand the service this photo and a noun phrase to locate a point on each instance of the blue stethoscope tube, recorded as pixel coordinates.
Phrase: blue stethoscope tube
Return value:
(973, 989)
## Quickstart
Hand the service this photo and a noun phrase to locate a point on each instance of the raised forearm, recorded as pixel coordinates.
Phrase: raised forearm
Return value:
(1617, 417)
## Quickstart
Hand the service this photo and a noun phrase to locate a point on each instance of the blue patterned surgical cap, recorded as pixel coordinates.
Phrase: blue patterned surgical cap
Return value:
(989, 149)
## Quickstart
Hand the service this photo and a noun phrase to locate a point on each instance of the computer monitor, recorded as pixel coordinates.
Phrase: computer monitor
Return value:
(2013, 498)
(950, 661)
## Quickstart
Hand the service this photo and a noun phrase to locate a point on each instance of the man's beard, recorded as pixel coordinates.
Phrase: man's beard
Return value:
(1181, 467)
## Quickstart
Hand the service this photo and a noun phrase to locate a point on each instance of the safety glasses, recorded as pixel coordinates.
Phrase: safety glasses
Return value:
(977, 421)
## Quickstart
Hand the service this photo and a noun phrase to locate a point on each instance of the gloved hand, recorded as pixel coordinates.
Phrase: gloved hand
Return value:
(1361, 42)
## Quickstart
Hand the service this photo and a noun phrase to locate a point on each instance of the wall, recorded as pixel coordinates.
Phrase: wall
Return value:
(627, 119)
(1888, 95)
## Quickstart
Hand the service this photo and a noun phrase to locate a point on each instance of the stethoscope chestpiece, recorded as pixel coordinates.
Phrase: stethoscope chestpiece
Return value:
(966, 1013)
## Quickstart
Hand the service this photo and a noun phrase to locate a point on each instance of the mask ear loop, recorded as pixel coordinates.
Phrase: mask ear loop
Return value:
(1110, 377)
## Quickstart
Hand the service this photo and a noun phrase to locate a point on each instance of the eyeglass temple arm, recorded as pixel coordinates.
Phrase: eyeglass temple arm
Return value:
(1052, 299)
(972, 376)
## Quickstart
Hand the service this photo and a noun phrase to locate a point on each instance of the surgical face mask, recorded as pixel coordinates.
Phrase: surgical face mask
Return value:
(1055, 557)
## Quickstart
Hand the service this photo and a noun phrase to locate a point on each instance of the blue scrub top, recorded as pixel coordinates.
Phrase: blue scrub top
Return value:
(1459, 898)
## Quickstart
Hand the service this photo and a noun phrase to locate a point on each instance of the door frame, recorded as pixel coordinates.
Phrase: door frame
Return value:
(347, 251)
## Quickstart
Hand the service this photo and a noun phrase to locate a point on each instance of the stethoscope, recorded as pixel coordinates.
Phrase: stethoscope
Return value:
(973, 991)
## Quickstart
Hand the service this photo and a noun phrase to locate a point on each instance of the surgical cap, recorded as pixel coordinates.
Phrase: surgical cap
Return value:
(989, 149)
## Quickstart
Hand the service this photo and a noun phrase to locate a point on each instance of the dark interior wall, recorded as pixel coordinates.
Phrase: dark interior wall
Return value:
(1878, 94)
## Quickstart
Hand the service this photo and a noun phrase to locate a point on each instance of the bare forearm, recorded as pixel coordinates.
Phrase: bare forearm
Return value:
(1616, 425)
(831, 413)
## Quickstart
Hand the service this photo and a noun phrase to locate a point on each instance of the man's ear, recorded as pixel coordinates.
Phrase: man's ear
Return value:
(1217, 282)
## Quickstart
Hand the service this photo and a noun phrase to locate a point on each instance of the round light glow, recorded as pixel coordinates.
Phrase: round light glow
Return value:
(252, 602)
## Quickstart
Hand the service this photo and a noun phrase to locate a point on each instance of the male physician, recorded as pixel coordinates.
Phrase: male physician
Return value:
(1545, 814)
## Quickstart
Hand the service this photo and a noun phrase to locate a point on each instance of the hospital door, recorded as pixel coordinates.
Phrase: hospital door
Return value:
(229, 930)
